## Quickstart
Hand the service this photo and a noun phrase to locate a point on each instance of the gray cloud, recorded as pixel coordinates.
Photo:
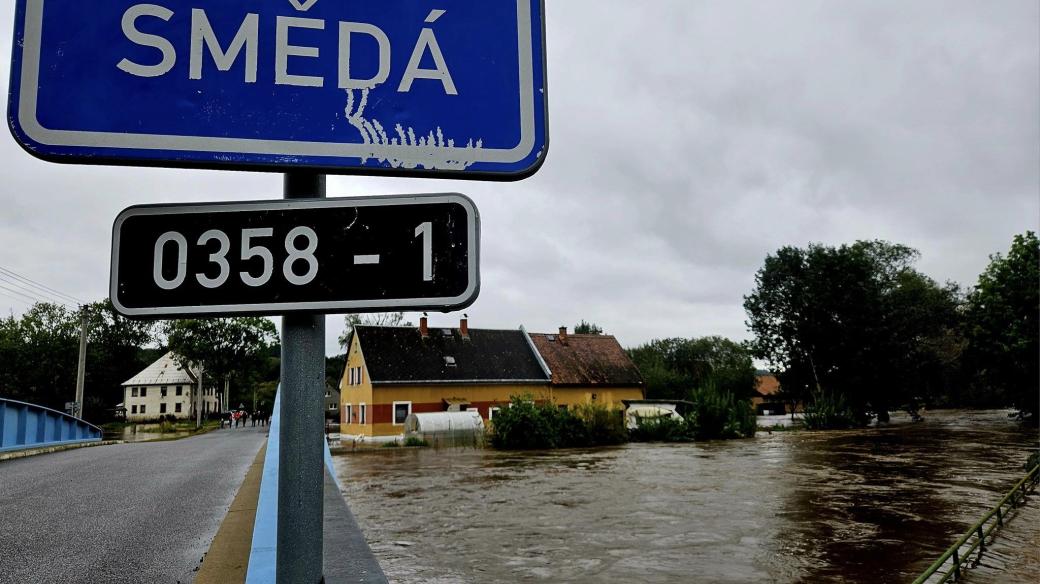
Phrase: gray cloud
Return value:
(689, 140)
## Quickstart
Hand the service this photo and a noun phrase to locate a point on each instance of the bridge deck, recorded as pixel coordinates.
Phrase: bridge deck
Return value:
(124, 513)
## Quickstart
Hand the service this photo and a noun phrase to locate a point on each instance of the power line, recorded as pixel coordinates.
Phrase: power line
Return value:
(14, 298)
(39, 285)
(13, 291)
(38, 295)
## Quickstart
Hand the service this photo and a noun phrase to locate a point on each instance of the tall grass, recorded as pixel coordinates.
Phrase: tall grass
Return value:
(718, 414)
(829, 411)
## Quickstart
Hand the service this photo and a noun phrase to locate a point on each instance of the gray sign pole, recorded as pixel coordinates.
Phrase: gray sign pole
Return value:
(81, 367)
(301, 464)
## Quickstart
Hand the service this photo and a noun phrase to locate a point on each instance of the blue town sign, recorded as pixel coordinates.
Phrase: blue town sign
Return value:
(434, 88)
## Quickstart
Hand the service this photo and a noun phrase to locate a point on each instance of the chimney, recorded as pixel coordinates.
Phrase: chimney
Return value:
(563, 335)
(424, 327)
(464, 327)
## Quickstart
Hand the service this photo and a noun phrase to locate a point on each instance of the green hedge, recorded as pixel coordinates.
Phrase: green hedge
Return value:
(528, 425)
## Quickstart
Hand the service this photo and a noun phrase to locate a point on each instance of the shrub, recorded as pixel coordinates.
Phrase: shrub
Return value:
(1034, 459)
(603, 426)
(718, 414)
(663, 429)
(525, 425)
(415, 441)
(829, 412)
(393, 444)
(530, 425)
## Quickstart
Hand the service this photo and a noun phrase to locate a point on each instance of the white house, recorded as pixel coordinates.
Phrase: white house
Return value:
(165, 388)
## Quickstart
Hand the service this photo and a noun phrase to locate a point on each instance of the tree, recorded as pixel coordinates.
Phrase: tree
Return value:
(587, 328)
(334, 367)
(674, 368)
(116, 351)
(1003, 323)
(375, 319)
(857, 320)
(233, 349)
(38, 353)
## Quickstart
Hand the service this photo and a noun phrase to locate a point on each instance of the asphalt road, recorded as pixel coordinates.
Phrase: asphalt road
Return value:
(142, 512)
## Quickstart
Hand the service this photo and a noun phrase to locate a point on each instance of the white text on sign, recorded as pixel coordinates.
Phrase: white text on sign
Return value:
(246, 42)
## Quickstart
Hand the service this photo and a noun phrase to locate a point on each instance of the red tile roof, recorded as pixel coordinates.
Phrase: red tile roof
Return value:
(766, 384)
(587, 360)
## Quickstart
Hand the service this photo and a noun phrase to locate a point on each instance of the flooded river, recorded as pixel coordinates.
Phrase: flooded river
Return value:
(874, 505)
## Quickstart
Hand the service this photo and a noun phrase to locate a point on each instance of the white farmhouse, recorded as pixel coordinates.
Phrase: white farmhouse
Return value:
(165, 388)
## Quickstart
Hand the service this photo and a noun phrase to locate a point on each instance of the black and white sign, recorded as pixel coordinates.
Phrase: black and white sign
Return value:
(371, 254)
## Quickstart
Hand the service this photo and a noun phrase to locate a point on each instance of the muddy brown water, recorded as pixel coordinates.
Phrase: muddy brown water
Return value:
(873, 505)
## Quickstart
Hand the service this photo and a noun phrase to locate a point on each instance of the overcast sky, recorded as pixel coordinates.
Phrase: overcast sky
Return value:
(689, 139)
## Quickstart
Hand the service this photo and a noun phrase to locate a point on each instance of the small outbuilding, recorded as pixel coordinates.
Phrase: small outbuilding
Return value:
(454, 428)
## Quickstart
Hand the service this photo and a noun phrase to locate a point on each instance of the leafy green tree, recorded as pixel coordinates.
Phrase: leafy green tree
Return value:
(236, 349)
(587, 328)
(673, 368)
(1003, 325)
(117, 348)
(856, 320)
(374, 319)
(334, 369)
(38, 355)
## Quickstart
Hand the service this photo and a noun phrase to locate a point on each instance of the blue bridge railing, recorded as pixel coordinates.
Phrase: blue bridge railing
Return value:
(24, 426)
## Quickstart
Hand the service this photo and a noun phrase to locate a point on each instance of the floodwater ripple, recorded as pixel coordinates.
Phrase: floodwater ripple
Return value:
(873, 505)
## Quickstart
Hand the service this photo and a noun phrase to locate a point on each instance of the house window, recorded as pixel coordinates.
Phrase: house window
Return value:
(162, 391)
(355, 376)
(363, 414)
(133, 409)
(360, 375)
(492, 412)
(133, 392)
(327, 393)
(333, 406)
(350, 413)
(142, 408)
(144, 392)
(162, 408)
(401, 412)
(179, 390)
(177, 407)
(449, 361)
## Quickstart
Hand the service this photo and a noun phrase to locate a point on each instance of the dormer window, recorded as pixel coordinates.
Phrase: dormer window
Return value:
(449, 361)
(446, 332)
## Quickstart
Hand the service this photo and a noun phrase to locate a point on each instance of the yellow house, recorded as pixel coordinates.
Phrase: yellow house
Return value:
(392, 372)
(588, 369)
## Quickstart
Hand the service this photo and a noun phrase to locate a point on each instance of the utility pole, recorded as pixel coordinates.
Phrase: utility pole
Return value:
(81, 367)
(198, 400)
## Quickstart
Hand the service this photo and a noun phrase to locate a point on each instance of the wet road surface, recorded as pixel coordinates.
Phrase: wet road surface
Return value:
(874, 505)
(123, 513)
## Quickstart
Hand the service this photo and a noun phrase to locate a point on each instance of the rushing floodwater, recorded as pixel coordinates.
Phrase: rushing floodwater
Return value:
(875, 505)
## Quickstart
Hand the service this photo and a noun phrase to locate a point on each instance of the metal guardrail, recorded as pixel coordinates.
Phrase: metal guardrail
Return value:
(975, 538)
(24, 425)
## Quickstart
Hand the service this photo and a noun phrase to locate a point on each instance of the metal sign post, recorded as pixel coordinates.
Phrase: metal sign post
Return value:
(401, 88)
(301, 465)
